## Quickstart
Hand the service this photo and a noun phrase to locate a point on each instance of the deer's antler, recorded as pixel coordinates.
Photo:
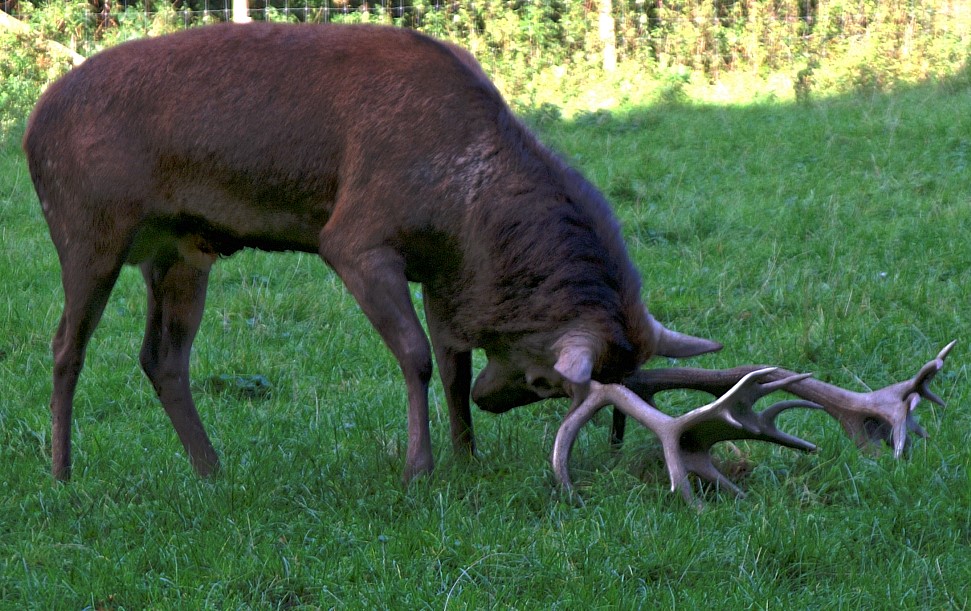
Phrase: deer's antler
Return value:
(687, 440)
(886, 414)
(868, 418)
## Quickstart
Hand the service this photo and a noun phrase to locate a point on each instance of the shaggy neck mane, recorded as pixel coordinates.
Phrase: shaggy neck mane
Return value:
(557, 238)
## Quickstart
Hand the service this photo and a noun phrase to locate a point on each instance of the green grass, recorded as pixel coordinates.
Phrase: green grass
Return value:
(829, 237)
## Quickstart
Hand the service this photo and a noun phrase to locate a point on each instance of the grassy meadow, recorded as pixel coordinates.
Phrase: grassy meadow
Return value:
(828, 236)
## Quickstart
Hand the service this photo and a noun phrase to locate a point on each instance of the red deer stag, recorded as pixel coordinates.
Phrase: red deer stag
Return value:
(389, 154)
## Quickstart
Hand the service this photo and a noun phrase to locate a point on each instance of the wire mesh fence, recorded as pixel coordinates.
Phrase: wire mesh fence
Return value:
(710, 36)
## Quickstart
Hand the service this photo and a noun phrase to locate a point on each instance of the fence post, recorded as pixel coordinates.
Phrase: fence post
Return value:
(608, 35)
(241, 11)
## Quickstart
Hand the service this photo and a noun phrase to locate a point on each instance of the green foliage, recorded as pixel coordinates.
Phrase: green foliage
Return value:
(823, 47)
(134, 22)
(27, 63)
(21, 76)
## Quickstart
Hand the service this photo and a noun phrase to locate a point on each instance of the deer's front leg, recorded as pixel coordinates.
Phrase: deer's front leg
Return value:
(376, 279)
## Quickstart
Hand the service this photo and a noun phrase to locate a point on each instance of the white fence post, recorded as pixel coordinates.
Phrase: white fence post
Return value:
(241, 11)
(608, 35)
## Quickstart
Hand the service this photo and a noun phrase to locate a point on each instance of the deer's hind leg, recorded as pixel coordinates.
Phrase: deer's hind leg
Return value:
(176, 298)
(88, 278)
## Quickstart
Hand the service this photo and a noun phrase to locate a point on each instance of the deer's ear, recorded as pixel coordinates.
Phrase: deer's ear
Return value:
(575, 363)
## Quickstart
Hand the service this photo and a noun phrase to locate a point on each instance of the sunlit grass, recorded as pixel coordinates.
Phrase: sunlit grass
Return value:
(828, 237)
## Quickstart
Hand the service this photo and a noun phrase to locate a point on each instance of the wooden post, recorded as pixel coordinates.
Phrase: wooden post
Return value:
(241, 11)
(608, 35)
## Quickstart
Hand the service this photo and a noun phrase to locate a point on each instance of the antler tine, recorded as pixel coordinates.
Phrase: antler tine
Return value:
(927, 373)
(700, 463)
(784, 382)
(736, 404)
(921, 383)
(885, 414)
(731, 417)
(768, 426)
(566, 435)
(746, 391)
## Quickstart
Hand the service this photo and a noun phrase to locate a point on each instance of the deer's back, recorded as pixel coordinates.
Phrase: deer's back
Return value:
(255, 130)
